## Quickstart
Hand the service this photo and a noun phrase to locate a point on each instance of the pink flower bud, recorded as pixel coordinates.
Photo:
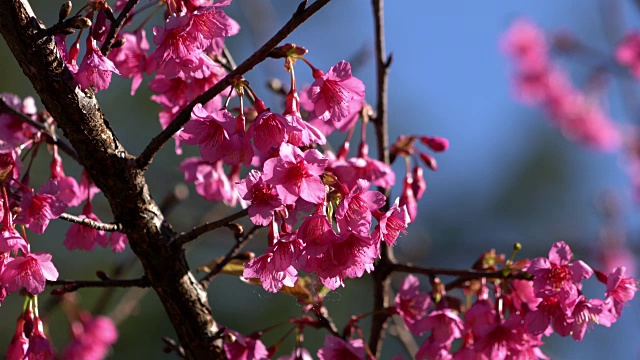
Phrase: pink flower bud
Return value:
(436, 144)
(429, 161)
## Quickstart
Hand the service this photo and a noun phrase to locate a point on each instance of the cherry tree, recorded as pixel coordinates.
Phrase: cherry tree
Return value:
(325, 216)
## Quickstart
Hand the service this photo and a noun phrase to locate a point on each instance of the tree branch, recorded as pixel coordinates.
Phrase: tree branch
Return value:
(300, 16)
(91, 223)
(233, 252)
(73, 285)
(51, 136)
(117, 26)
(382, 270)
(199, 230)
(466, 274)
(115, 172)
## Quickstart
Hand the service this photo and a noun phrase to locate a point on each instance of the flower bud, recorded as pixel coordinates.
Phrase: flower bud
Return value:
(429, 161)
(80, 22)
(436, 144)
(65, 10)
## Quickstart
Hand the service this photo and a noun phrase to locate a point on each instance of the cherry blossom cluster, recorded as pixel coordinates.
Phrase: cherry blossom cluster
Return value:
(507, 319)
(539, 81)
(92, 337)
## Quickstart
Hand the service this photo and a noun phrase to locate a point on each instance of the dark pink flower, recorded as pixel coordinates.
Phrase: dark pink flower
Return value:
(628, 52)
(263, 198)
(30, 271)
(347, 256)
(39, 346)
(525, 42)
(13, 131)
(556, 275)
(408, 198)
(354, 210)
(391, 224)
(131, 58)
(69, 191)
(316, 232)
(92, 338)
(84, 237)
(551, 310)
(95, 69)
(38, 209)
(335, 348)
(19, 344)
(210, 180)
(296, 174)
(10, 239)
(274, 268)
(269, 130)
(445, 326)
(118, 241)
(332, 92)
(244, 348)
(620, 290)
(431, 350)
(411, 303)
(210, 131)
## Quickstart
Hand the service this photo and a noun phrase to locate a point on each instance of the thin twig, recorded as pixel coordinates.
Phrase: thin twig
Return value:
(50, 135)
(206, 227)
(117, 26)
(240, 243)
(300, 16)
(463, 275)
(382, 269)
(73, 285)
(91, 223)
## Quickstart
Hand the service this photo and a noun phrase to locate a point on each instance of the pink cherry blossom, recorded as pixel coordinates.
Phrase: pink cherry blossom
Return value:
(38, 209)
(211, 181)
(354, 210)
(263, 198)
(244, 347)
(556, 275)
(118, 241)
(336, 348)
(332, 92)
(92, 338)
(349, 255)
(444, 324)
(95, 69)
(296, 174)
(84, 237)
(30, 271)
(131, 58)
(391, 224)
(274, 268)
(628, 52)
(269, 130)
(620, 290)
(13, 131)
(69, 190)
(411, 303)
(210, 131)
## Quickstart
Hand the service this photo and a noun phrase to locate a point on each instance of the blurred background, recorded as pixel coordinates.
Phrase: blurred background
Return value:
(508, 176)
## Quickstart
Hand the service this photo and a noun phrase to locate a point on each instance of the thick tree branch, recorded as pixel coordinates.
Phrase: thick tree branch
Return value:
(300, 16)
(116, 174)
(204, 228)
(90, 223)
(382, 271)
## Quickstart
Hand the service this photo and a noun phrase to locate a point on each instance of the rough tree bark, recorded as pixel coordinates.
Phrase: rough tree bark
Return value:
(114, 171)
